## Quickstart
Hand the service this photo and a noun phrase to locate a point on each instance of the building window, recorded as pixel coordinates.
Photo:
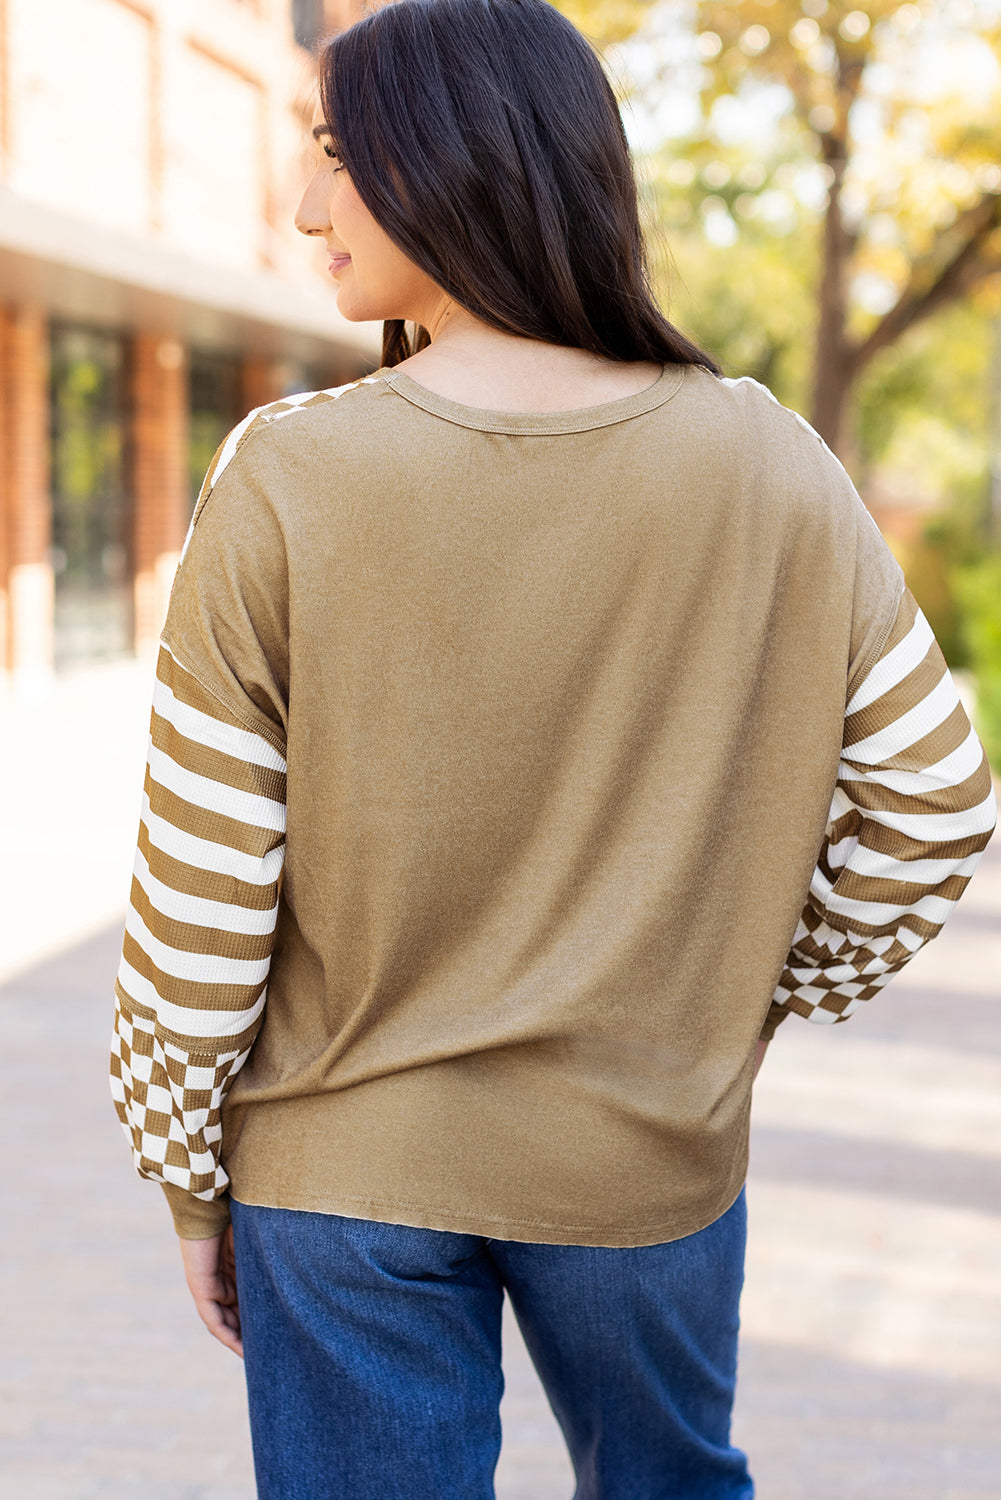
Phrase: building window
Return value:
(214, 385)
(307, 22)
(91, 511)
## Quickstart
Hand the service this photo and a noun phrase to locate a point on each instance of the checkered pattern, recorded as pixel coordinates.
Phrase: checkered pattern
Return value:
(192, 982)
(913, 809)
(170, 1102)
(199, 930)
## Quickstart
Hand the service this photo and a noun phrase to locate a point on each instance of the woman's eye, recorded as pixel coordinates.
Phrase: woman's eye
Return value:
(331, 154)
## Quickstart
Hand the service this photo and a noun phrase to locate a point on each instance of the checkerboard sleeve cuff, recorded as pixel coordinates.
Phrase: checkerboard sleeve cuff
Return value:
(912, 812)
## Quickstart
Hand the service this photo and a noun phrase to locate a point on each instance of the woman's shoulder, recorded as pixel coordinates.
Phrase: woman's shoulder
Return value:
(753, 436)
(264, 424)
(251, 470)
(750, 403)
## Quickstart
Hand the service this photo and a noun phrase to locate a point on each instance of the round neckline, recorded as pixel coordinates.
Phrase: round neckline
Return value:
(578, 419)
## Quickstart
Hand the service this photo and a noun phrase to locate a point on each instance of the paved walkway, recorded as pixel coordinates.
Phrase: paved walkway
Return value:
(871, 1363)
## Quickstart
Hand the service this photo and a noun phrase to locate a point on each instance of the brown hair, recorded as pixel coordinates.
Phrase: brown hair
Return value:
(485, 139)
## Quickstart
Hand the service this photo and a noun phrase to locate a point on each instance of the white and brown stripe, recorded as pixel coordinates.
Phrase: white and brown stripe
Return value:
(200, 927)
(913, 809)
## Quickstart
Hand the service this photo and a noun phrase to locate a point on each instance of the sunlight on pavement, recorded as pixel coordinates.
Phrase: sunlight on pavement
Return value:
(871, 1352)
(878, 1281)
(74, 762)
(866, 1090)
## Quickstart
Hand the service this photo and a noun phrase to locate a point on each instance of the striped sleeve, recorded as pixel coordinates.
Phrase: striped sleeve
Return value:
(191, 985)
(913, 810)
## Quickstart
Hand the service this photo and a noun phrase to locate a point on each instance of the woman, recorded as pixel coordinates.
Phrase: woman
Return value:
(500, 732)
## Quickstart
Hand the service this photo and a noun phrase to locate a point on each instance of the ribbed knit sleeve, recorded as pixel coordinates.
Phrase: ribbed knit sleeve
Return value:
(191, 986)
(913, 809)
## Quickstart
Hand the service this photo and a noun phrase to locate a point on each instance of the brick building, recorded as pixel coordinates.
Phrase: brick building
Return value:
(152, 290)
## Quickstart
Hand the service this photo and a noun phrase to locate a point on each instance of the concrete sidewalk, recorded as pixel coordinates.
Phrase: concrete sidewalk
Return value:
(871, 1358)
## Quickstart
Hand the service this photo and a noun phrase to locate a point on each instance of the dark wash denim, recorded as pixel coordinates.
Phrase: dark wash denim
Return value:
(373, 1357)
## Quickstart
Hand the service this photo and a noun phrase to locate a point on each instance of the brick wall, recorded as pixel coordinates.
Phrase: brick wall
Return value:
(144, 154)
(24, 486)
(260, 383)
(159, 477)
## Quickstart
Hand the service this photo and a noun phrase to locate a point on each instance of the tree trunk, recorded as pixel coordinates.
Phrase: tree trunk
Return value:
(835, 362)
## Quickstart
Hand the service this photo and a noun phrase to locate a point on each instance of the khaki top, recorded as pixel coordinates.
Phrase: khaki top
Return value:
(555, 707)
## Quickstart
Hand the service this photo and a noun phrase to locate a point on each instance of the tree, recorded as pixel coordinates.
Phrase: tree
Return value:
(605, 21)
(907, 144)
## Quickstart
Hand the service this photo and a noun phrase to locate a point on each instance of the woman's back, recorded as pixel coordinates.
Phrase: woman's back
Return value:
(539, 722)
(543, 682)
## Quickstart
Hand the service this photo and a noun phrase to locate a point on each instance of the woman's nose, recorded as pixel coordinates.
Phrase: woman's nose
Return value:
(312, 216)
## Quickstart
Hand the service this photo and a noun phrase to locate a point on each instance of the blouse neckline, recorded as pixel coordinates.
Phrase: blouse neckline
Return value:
(580, 419)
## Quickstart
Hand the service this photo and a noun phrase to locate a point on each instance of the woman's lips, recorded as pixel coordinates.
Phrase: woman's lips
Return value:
(337, 263)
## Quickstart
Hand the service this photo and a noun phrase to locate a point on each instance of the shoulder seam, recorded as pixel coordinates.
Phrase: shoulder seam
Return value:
(266, 731)
(797, 416)
(252, 422)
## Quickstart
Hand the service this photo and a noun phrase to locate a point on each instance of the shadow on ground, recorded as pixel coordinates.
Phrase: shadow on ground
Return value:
(107, 1382)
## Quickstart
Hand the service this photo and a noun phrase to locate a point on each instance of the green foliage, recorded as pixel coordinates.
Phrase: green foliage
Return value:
(734, 223)
(918, 147)
(939, 367)
(894, 385)
(87, 455)
(979, 591)
(206, 432)
(797, 95)
(818, 108)
(747, 299)
(949, 544)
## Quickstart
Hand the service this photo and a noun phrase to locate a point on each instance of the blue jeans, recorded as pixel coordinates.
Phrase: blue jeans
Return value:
(373, 1358)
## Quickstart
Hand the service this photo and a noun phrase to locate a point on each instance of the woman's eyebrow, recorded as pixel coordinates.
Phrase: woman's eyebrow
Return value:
(319, 130)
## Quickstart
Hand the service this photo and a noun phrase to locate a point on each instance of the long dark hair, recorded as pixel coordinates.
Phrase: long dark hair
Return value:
(484, 138)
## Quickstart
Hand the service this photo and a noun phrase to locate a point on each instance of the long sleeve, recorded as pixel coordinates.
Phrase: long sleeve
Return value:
(191, 987)
(913, 810)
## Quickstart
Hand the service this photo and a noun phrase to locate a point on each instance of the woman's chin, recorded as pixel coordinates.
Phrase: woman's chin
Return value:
(357, 309)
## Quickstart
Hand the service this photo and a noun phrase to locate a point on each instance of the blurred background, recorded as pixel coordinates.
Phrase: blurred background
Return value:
(154, 289)
(827, 178)
(821, 189)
